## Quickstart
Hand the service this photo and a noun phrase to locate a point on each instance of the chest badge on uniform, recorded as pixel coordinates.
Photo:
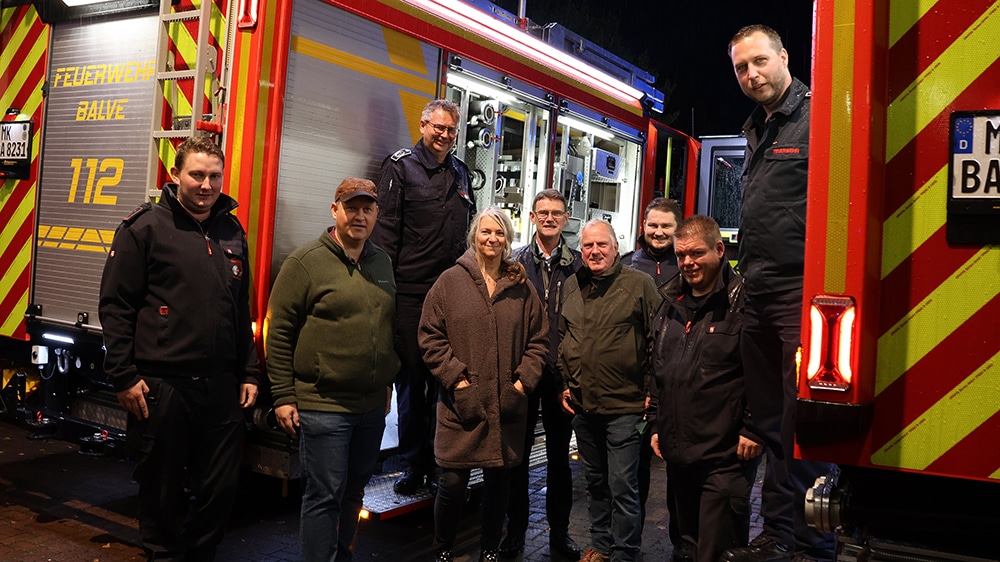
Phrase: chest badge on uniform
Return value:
(237, 269)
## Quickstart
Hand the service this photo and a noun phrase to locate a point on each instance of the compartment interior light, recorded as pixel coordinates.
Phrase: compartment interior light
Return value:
(586, 127)
(470, 18)
(456, 79)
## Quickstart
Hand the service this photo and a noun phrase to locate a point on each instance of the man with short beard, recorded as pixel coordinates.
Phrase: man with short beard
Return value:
(771, 259)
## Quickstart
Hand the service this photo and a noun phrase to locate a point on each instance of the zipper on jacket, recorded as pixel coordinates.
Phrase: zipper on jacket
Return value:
(208, 244)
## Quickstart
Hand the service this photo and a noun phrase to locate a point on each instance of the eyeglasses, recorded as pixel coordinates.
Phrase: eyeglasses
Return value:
(442, 129)
(553, 214)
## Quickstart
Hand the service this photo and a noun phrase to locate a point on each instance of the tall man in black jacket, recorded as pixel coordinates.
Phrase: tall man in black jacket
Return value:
(771, 258)
(700, 426)
(426, 207)
(548, 261)
(175, 311)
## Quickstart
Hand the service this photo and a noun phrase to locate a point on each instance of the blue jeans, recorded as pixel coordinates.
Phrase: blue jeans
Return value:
(338, 454)
(609, 446)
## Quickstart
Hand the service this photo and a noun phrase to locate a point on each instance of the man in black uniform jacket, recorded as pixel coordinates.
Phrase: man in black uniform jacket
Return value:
(426, 207)
(175, 311)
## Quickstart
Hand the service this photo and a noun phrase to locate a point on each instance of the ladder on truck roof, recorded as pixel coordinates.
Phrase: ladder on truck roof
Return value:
(167, 79)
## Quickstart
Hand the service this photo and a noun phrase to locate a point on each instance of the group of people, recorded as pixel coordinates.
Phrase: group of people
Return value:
(665, 351)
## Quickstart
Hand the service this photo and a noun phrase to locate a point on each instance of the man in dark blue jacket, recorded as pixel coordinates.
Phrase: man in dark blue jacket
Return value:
(700, 423)
(655, 254)
(175, 312)
(548, 261)
(425, 208)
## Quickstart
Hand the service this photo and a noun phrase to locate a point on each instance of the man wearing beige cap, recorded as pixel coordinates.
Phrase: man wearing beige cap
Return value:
(331, 362)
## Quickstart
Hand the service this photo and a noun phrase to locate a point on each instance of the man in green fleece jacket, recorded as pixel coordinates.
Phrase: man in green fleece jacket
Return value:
(331, 362)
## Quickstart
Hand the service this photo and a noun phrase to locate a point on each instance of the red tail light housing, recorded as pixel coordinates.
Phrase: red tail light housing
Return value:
(831, 342)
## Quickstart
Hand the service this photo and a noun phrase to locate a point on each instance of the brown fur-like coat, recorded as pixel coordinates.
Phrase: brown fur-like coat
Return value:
(492, 342)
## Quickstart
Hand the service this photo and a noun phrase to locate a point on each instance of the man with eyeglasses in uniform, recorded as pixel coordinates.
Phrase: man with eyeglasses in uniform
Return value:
(426, 207)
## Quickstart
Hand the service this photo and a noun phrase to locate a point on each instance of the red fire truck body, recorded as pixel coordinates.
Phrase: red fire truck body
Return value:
(898, 380)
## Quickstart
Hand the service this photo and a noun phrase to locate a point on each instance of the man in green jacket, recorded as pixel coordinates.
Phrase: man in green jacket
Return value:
(606, 330)
(331, 362)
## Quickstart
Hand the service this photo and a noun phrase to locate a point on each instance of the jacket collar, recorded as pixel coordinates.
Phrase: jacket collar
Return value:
(566, 257)
(168, 198)
(467, 261)
(427, 160)
(794, 96)
(728, 283)
(330, 242)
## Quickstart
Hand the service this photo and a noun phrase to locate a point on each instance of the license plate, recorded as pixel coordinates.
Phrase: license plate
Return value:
(14, 139)
(975, 156)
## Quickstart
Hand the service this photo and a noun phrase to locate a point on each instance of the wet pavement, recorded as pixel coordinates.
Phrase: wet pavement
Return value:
(59, 505)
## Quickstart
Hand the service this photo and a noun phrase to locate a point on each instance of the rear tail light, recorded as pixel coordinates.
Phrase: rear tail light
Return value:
(831, 339)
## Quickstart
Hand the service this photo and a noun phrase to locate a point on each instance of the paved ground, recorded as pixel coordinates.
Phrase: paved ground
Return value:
(58, 505)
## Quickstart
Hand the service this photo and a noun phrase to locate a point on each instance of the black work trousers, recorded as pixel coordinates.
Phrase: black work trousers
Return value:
(189, 451)
(558, 478)
(416, 390)
(712, 505)
(768, 344)
(452, 488)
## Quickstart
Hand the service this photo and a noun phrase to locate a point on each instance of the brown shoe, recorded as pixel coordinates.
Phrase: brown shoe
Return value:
(592, 555)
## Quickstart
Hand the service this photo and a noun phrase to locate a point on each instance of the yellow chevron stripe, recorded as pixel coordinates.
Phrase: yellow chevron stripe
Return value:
(347, 60)
(904, 15)
(839, 179)
(951, 419)
(413, 105)
(996, 474)
(25, 67)
(914, 222)
(943, 80)
(404, 51)
(13, 323)
(186, 44)
(937, 316)
(8, 13)
(240, 83)
(21, 261)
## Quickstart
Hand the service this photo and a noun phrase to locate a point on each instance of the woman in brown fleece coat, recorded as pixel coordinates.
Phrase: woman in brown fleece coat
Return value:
(484, 338)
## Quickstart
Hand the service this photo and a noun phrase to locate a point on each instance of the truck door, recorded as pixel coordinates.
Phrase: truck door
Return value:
(93, 158)
(720, 170)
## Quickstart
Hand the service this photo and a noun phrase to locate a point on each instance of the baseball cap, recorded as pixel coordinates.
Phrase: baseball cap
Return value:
(354, 187)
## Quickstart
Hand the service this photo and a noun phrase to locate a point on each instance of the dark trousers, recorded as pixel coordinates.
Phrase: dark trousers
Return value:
(558, 480)
(416, 390)
(192, 438)
(452, 487)
(712, 505)
(770, 338)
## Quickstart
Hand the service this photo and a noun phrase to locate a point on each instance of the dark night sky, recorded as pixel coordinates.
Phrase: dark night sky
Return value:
(683, 43)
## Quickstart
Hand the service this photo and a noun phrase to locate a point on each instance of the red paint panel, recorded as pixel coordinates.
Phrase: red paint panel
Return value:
(928, 38)
(924, 155)
(931, 378)
(977, 455)
(918, 275)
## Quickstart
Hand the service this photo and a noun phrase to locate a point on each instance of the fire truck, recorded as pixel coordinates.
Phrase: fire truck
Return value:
(898, 381)
(300, 94)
